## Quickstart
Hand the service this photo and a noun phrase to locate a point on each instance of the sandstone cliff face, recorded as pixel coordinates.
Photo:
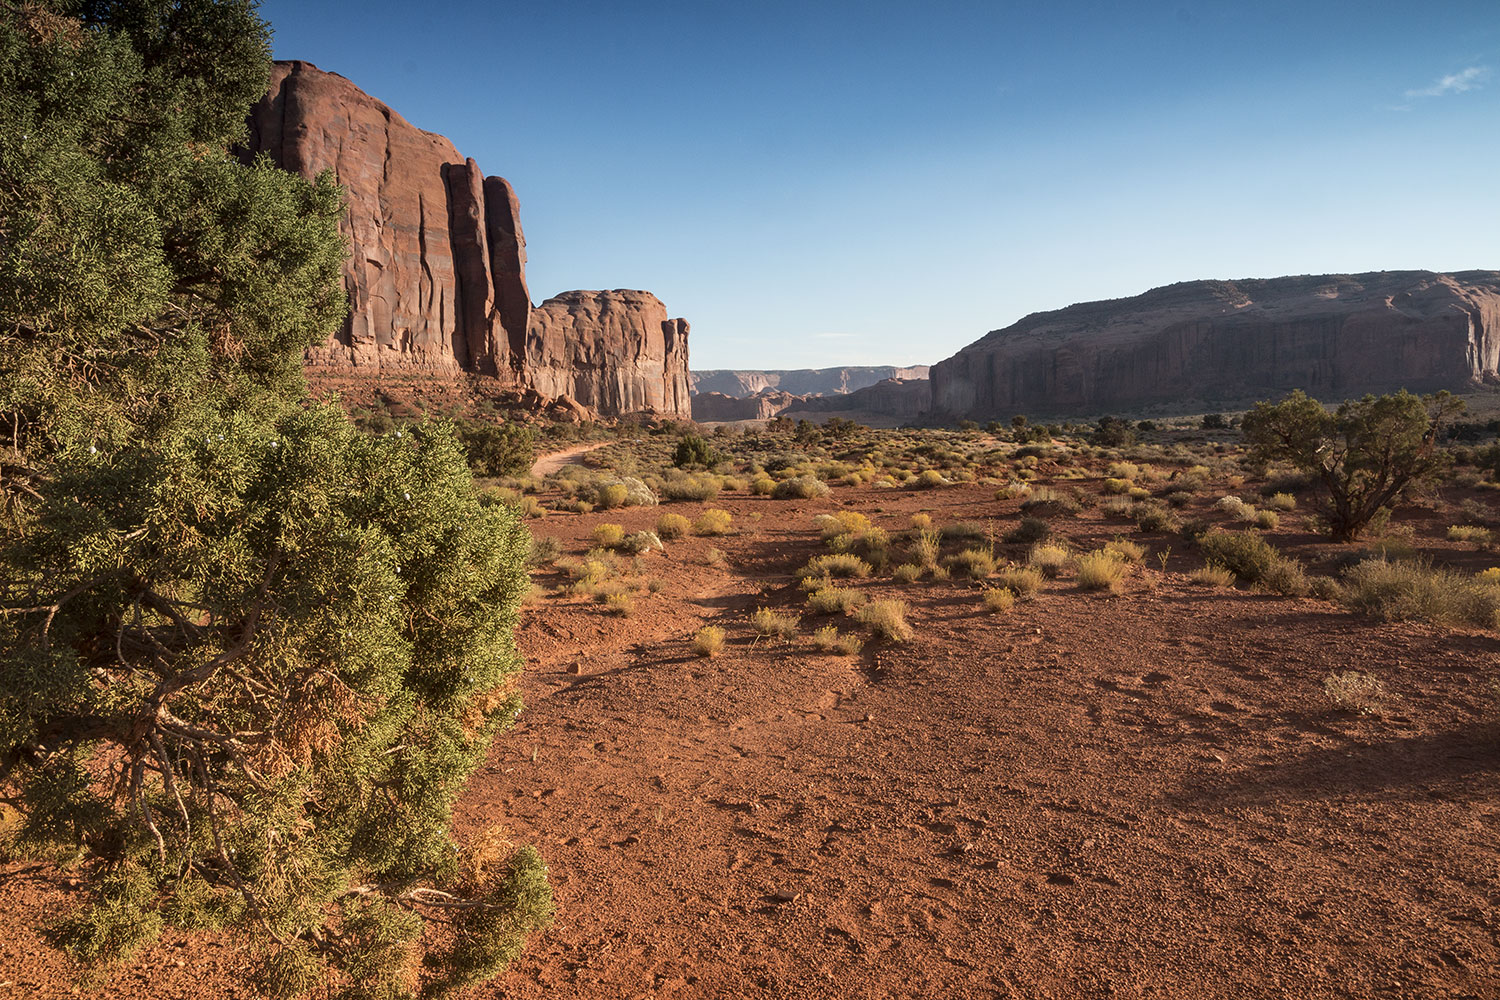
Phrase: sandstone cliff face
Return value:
(900, 398)
(437, 270)
(714, 406)
(800, 381)
(1333, 335)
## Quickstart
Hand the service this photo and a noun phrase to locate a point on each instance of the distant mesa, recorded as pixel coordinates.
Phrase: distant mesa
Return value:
(1334, 336)
(436, 276)
(799, 381)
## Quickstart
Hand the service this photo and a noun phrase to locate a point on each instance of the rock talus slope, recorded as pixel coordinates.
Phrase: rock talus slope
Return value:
(1331, 335)
(437, 269)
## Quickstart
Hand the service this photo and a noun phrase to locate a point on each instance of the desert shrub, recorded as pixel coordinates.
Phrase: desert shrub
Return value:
(610, 495)
(1281, 501)
(1100, 570)
(1024, 580)
(835, 600)
(1254, 560)
(693, 450)
(716, 559)
(1469, 533)
(762, 486)
(1489, 576)
(907, 573)
(1401, 591)
(800, 488)
(620, 603)
(1354, 691)
(1046, 502)
(773, 624)
(713, 522)
(836, 565)
(887, 619)
(708, 641)
(1267, 519)
(502, 449)
(608, 536)
(670, 526)
(1118, 507)
(921, 521)
(543, 550)
(844, 522)
(929, 479)
(927, 546)
(1117, 486)
(1212, 575)
(1138, 493)
(976, 564)
(623, 491)
(999, 600)
(1123, 470)
(1178, 498)
(1235, 508)
(828, 640)
(1049, 560)
(697, 487)
(1152, 518)
(1029, 531)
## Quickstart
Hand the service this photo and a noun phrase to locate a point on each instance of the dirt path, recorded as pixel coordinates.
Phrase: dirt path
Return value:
(548, 464)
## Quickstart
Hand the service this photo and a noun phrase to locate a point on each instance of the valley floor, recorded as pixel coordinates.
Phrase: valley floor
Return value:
(1136, 795)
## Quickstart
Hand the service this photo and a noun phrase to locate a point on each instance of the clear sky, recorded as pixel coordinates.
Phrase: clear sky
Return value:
(814, 184)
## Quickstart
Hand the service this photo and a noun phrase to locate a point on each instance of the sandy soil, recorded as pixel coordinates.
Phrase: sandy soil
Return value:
(554, 462)
(1142, 795)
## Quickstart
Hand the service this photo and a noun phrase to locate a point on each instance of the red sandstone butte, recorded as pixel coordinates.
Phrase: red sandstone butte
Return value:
(436, 274)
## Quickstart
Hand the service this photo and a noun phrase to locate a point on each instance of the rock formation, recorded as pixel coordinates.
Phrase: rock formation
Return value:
(799, 381)
(437, 269)
(1233, 341)
(904, 399)
(716, 406)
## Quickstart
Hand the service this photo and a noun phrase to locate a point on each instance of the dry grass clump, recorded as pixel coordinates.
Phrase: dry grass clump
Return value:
(1469, 533)
(1125, 550)
(835, 600)
(828, 640)
(800, 488)
(1401, 591)
(700, 487)
(543, 551)
(976, 564)
(1049, 560)
(1212, 575)
(838, 564)
(907, 573)
(921, 521)
(964, 531)
(928, 479)
(670, 526)
(1024, 580)
(844, 522)
(926, 547)
(1267, 519)
(1100, 570)
(774, 624)
(713, 522)
(887, 619)
(1118, 486)
(999, 600)
(709, 641)
(1235, 508)
(1123, 470)
(1354, 691)
(1281, 501)
(620, 603)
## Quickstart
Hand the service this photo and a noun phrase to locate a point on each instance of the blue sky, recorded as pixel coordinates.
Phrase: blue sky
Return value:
(815, 184)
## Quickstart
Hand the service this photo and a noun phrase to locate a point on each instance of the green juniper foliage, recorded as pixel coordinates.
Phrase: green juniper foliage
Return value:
(248, 655)
(1367, 455)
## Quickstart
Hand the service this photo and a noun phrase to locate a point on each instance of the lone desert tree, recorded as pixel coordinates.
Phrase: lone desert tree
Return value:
(1367, 455)
(248, 655)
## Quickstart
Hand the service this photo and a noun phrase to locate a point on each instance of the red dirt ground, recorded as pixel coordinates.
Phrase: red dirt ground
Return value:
(1142, 795)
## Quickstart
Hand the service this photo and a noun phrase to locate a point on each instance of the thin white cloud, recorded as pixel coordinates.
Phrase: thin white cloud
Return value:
(1454, 83)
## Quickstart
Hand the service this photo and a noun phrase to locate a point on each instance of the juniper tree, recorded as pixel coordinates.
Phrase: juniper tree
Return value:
(248, 655)
(1366, 456)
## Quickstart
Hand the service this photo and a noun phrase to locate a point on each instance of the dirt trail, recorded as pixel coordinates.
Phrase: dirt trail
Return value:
(548, 464)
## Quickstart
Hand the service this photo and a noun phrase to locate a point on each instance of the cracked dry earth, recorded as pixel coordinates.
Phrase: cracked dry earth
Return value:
(1141, 795)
